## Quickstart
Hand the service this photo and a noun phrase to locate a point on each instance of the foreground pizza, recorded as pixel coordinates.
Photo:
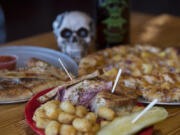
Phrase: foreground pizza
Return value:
(153, 72)
(21, 84)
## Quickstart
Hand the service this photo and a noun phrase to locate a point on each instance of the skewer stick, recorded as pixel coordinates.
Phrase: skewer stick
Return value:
(65, 68)
(145, 110)
(116, 81)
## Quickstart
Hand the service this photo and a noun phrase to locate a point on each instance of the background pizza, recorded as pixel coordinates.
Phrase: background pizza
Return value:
(153, 72)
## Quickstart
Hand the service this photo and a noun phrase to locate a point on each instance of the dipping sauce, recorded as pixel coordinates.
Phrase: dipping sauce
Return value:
(8, 62)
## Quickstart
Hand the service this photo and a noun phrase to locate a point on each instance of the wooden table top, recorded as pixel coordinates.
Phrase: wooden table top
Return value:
(145, 29)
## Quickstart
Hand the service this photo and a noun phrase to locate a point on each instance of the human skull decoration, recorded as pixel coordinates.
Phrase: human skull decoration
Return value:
(75, 33)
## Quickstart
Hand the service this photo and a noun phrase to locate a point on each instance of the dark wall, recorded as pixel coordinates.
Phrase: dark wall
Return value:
(157, 6)
(29, 17)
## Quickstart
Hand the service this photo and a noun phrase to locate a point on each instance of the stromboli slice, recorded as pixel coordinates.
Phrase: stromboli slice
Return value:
(53, 92)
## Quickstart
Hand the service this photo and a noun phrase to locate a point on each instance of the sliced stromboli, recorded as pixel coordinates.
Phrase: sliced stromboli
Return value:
(21, 74)
(15, 94)
(34, 62)
(40, 66)
(22, 83)
(117, 102)
(39, 85)
(13, 90)
(53, 92)
(82, 93)
(37, 69)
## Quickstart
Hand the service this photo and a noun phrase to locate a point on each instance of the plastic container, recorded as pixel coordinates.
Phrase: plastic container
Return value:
(8, 62)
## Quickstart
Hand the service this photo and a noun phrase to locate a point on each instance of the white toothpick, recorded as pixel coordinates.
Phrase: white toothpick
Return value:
(64, 68)
(145, 110)
(116, 81)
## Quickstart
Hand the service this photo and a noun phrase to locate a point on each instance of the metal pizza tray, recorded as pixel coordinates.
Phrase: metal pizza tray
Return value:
(14, 101)
(142, 100)
(48, 55)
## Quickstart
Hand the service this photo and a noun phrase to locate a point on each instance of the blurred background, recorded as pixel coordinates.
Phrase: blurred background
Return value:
(24, 18)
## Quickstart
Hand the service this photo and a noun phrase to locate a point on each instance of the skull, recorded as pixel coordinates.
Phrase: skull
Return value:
(75, 33)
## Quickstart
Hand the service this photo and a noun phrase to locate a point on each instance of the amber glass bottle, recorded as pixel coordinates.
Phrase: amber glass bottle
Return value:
(112, 23)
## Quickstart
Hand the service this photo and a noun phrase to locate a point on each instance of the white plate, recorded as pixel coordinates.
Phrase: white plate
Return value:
(141, 100)
(45, 54)
(48, 55)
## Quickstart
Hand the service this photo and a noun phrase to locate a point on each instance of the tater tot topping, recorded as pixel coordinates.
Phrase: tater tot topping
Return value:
(67, 130)
(106, 113)
(82, 124)
(81, 111)
(63, 118)
(52, 128)
(67, 107)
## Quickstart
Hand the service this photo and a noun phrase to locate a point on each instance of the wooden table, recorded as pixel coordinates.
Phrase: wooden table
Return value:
(143, 28)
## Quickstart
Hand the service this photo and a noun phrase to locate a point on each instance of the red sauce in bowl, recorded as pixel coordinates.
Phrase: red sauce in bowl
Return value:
(8, 62)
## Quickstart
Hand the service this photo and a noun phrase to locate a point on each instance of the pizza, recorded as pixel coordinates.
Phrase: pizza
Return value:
(21, 84)
(134, 60)
(153, 72)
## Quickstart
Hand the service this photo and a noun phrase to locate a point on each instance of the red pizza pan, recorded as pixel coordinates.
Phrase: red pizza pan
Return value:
(33, 103)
